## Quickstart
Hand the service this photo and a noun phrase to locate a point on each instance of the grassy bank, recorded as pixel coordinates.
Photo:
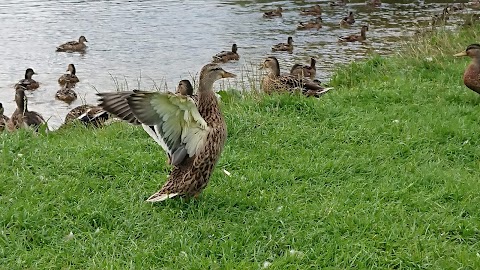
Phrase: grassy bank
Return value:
(383, 172)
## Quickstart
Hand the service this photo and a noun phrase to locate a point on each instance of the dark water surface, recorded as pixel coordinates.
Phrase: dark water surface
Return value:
(142, 44)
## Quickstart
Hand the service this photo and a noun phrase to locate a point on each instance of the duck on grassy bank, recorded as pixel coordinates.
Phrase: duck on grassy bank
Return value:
(471, 76)
(192, 134)
(3, 118)
(22, 117)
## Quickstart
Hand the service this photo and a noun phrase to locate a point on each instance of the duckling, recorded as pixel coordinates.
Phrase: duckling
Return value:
(338, 3)
(317, 23)
(374, 3)
(226, 56)
(28, 82)
(88, 115)
(353, 38)
(70, 78)
(315, 10)
(300, 71)
(22, 117)
(66, 93)
(192, 134)
(471, 77)
(273, 13)
(3, 118)
(274, 82)
(73, 46)
(284, 46)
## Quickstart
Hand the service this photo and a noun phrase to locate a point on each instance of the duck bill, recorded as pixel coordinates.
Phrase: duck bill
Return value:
(227, 74)
(464, 53)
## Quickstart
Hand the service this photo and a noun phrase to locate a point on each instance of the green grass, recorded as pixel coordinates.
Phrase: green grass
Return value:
(383, 172)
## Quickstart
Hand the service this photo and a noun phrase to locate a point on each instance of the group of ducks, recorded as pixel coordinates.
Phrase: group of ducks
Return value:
(23, 117)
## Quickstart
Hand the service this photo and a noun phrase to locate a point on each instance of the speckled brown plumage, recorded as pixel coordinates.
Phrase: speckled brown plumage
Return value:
(28, 83)
(192, 166)
(471, 77)
(308, 71)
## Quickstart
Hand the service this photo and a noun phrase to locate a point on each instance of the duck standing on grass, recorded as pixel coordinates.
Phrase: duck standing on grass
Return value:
(28, 82)
(192, 134)
(225, 56)
(22, 117)
(288, 47)
(73, 46)
(300, 71)
(3, 118)
(69, 78)
(471, 77)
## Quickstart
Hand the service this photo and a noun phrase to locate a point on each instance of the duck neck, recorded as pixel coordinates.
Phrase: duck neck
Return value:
(73, 70)
(28, 75)
(208, 105)
(21, 101)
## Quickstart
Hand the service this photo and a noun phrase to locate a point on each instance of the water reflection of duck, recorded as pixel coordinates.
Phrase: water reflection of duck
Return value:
(353, 38)
(300, 70)
(73, 46)
(471, 76)
(273, 13)
(284, 46)
(315, 24)
(225, 56)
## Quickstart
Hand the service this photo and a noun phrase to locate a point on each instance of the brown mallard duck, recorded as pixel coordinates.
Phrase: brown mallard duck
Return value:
(374, 3)
(226, 56)
(3, 118)
(22, 117)
(70, 78)
(347, 21)
(316, 24)
(316, 10)
(284, 46)
(193, 135)
(275, 82)
(301, 71)
(73, 46)
(471, 77)
(273, 13)
(88, 115)
(338, 3)
(28, 82)
(475, 4)
(353, 38)
(66, 93)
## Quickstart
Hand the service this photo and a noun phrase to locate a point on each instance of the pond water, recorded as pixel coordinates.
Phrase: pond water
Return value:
(148, 43)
